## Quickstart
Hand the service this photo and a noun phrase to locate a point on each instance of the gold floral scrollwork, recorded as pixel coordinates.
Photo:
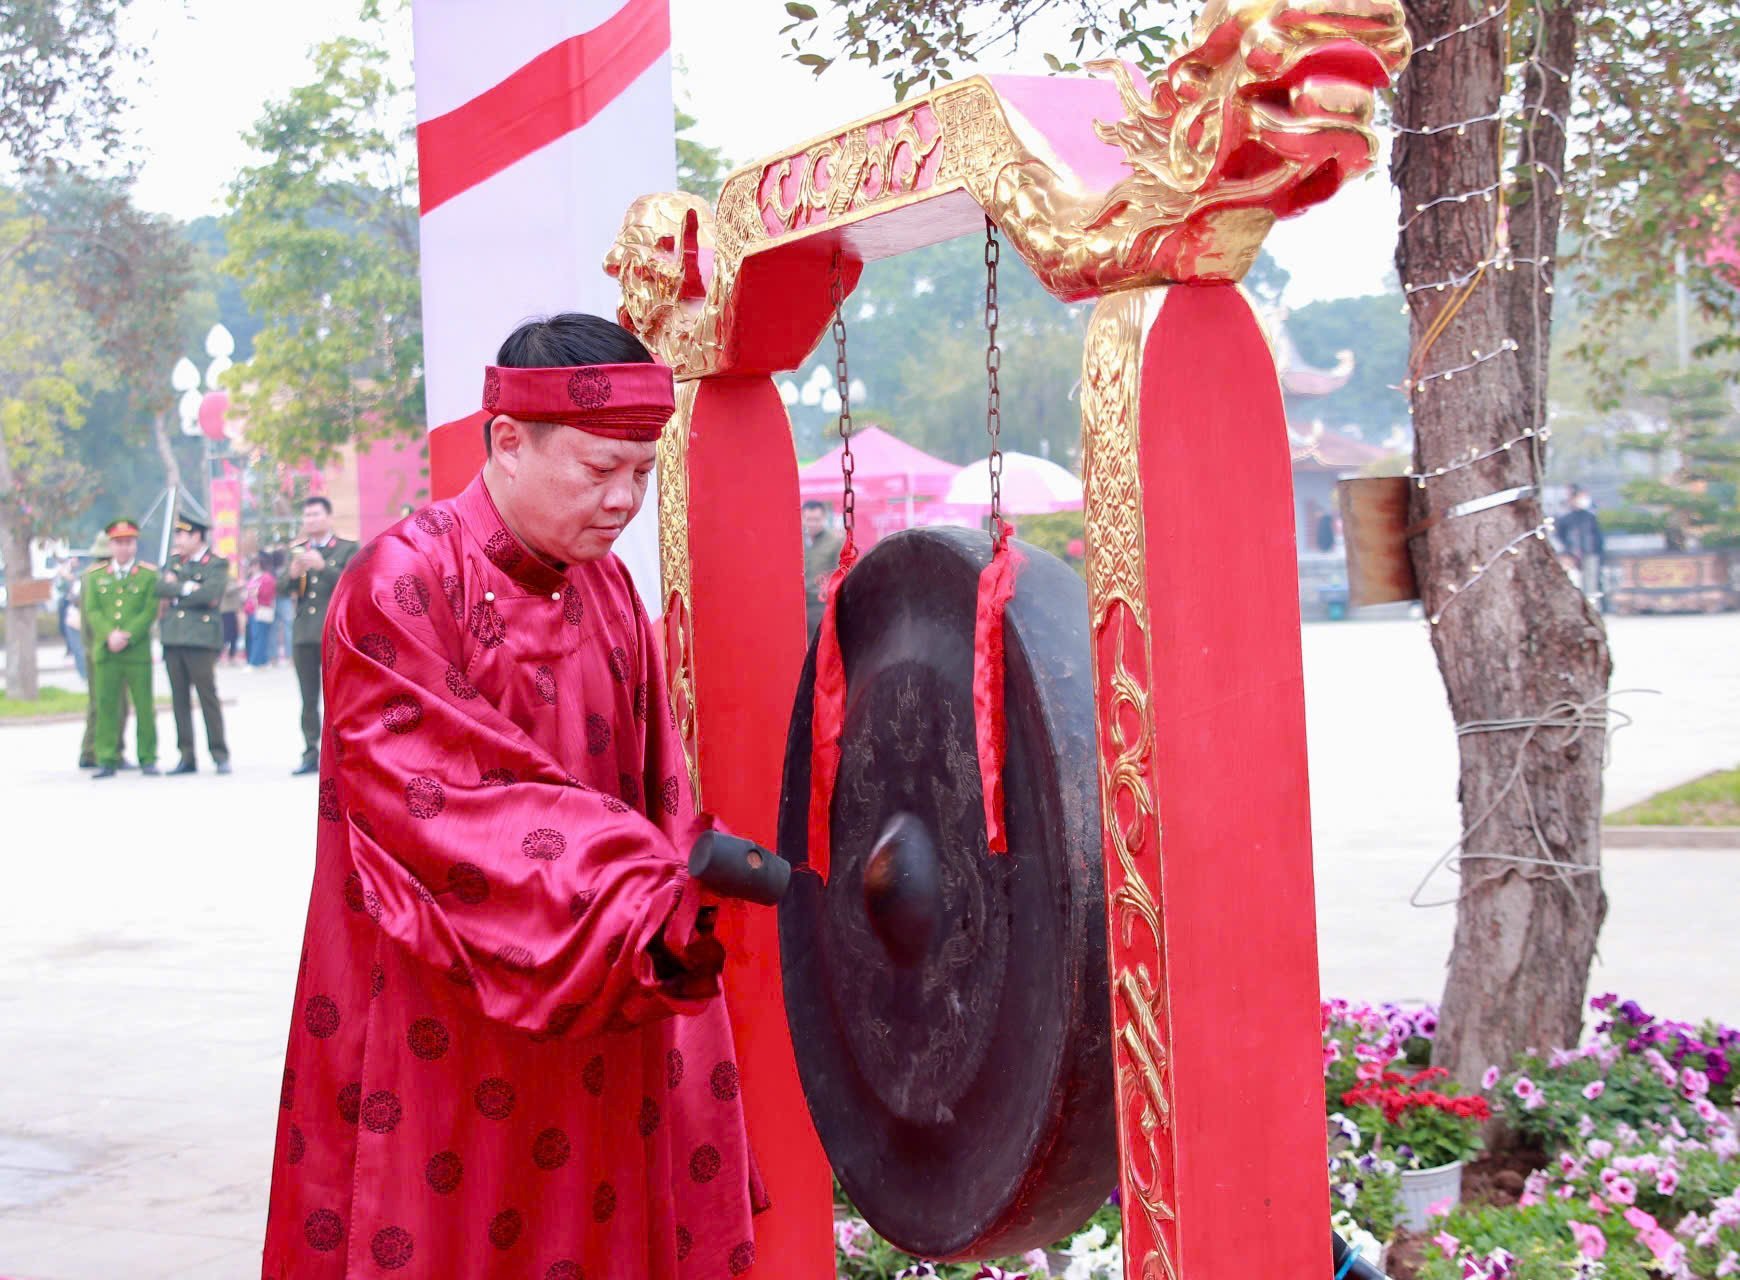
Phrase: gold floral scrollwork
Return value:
(674, 577)
(1117, 595)
(851, 159)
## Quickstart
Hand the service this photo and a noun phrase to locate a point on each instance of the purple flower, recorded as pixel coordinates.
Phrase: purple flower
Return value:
(1488, 1078)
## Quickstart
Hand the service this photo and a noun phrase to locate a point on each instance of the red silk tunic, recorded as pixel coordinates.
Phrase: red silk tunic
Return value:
(485, 1075)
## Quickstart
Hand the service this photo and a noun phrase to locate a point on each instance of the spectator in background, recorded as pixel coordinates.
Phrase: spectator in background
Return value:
(230, 613)
(821, 558)
(1579, 531)
(67, 592)
(259, 604)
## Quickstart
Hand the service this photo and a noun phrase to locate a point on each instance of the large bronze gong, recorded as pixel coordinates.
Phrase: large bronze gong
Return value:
(948, 1006)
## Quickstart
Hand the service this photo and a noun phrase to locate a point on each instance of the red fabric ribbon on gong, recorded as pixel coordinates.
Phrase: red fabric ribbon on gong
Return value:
(827, 718)
(990, 727)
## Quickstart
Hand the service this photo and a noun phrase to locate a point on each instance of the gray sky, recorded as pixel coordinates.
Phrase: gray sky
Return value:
(212, 65)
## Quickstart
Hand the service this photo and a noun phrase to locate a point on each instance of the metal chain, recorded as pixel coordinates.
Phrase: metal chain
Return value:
(993, 398)
(848, 500)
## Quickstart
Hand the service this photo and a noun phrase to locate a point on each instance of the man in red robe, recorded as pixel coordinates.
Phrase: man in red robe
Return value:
(509, 1055)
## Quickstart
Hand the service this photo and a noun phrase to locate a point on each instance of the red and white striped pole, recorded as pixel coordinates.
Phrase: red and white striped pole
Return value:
(537, 124)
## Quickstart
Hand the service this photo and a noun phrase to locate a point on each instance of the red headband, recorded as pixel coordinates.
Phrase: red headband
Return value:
(626, 401)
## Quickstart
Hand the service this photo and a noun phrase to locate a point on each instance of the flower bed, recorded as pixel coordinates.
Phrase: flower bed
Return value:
(1629, 1168)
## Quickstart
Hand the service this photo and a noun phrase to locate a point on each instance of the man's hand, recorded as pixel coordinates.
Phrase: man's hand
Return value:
(117, 641)
(312, 561)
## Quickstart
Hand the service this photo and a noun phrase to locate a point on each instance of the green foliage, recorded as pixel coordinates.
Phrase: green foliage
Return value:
(701, 169)
(1375, 330)
(1538, 1237)
(1659, 105)
(57, 92)
(918, 43)
(1054, 533)
(324, 240)
(1697, 504)
(1632, 1093)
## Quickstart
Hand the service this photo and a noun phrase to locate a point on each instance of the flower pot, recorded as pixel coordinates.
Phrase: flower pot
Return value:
(1423, 1188)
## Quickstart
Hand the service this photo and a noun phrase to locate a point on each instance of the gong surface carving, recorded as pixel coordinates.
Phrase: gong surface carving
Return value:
(948, 1006)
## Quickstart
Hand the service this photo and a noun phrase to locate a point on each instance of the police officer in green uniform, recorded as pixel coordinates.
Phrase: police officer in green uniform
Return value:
(315, 565)
(88, 748)
(192, 587)
(121, 603)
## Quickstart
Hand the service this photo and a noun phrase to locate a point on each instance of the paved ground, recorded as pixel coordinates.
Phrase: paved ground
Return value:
(149, 930)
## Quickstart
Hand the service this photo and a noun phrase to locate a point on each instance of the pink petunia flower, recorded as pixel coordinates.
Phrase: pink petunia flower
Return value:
(1624, 1190)
(1729, 1265)
(1524, 1088)
(1591, 1241)
(1594, 1089)
(1488, 1078)
(1600, 1149)
(1448, 1243)
(1667, 1181)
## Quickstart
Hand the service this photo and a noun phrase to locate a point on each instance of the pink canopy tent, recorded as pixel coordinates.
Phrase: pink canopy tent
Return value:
(895, 482)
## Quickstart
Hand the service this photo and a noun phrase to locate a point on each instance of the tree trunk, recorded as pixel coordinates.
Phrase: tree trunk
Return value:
(20, 618)
(1519, 643)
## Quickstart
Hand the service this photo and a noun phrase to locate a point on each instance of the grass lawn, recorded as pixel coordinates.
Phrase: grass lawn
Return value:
(1710, 801)
(53, 702)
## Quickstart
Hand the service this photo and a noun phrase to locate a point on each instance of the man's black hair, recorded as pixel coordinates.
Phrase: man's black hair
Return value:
(318, 500)
(564, 341)
(813, 504)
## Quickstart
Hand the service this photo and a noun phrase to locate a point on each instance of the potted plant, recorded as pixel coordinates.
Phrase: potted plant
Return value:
(1427, 1127)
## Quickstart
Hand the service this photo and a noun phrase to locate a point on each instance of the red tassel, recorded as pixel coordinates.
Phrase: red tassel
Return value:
(827, 719)
(996, 587)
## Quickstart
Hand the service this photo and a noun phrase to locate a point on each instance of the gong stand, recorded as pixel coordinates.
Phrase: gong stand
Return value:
(1209, 1015)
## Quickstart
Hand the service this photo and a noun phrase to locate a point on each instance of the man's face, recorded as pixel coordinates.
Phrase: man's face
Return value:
(815, 520)
(186, 543)
(570, 493)
(123, 550)
(316, 522)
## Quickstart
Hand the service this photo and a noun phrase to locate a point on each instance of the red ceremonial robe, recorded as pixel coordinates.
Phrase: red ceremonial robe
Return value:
(485, 1075)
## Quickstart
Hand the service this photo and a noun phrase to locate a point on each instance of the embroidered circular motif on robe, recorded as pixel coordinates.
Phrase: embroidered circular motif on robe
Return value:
(428, 1039)
(350, 1101)
(545, 844)
(418, 889)
(648, 1122)
(411, 594)
(443, 1172)
(487, 624)
(454, 590)
(640, 702)
(467, 882)
(392, 1248)
(590, 389)
(723, 1081)
(561, 1020)
(459, 975)
(434, 521)
(381, 1111)
(597, 735)
(424, 798)
(592, 1075)
(353, 891)
(613, 805)
(519, 959)
(579, 904)
(668, 796)
(503, 550)
(544, 681)
(564, 1270)
(685, 1242)
(328, 803)
(499, 778)
(505, 1228)
(603, 1203)
(378, 648)
(628, 788)
(324, 1230)
(295, 1146)
(377, 981)
(459, 686)
(742, 1257)
(494, 1098)
(673, 1068)
(573, 607)
(401, 713)
(361, 822)
(550, 1149)
(287, 1090)
(320, 1016)
(704, 1163)
(618, 663)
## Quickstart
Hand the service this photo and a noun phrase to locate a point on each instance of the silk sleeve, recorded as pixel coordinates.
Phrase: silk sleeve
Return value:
(474, 849)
